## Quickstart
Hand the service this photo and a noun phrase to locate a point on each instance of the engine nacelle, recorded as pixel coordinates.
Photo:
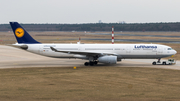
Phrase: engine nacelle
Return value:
(108, 59)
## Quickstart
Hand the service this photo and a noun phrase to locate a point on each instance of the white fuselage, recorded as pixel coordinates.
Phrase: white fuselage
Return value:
(123, 51)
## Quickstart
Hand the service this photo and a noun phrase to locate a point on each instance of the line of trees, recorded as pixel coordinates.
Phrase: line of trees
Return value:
(98, 27)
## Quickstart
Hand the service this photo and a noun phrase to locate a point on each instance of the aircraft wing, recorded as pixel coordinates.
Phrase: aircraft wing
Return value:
(83, 53)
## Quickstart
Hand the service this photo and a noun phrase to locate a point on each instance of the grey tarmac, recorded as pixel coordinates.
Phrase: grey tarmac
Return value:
(11, 57)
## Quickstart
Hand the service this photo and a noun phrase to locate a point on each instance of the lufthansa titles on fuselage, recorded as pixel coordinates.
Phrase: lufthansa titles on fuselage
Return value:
(145, 47)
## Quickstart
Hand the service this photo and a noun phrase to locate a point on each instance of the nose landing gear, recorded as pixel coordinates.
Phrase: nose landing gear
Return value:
(158, 62)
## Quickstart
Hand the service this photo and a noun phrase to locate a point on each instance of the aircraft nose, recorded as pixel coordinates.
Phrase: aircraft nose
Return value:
(175, 52)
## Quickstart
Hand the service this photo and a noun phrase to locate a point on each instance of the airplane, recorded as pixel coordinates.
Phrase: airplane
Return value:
(94, 53)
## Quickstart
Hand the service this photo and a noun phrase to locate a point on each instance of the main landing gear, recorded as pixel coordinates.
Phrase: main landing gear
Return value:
(93, 60)
(91, 63)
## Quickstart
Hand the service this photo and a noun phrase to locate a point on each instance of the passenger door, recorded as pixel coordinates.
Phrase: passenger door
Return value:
(128, 49)
(41, 49)
(160, 50)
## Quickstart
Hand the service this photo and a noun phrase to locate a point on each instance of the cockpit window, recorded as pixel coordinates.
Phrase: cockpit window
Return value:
(170, 49)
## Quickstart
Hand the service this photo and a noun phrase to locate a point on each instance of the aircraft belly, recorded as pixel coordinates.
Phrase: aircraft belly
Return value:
(143, 56)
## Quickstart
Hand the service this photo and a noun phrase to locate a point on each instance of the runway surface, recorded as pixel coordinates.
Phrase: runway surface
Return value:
(11, 57)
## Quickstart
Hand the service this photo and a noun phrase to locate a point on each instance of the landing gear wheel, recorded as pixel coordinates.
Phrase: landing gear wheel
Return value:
(154, 63)
(91, 63)
(164, 63)
(95, 62)
(86, 63)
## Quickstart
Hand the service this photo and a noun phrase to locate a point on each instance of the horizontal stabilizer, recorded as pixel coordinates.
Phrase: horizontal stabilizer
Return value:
(22, 46)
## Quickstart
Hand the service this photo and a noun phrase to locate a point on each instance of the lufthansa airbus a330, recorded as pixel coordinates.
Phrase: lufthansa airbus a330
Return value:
(94, 53)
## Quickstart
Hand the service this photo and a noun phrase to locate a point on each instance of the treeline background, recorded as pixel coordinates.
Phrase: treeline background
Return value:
(98, 27)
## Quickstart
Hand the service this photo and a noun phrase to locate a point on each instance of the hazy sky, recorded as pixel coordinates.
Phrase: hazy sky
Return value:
(89, 11)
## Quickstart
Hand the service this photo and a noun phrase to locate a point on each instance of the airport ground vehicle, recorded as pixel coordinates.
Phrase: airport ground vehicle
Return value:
(169, 62)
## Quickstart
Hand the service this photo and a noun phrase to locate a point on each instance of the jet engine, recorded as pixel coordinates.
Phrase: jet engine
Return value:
(108, 59)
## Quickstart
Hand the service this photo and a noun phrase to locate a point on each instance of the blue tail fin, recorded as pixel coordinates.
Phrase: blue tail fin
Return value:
(21, 35)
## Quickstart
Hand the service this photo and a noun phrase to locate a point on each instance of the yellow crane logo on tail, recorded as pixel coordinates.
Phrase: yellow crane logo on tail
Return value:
(19, 32)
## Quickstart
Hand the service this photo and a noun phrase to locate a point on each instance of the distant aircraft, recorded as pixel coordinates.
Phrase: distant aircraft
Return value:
(95, 53)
